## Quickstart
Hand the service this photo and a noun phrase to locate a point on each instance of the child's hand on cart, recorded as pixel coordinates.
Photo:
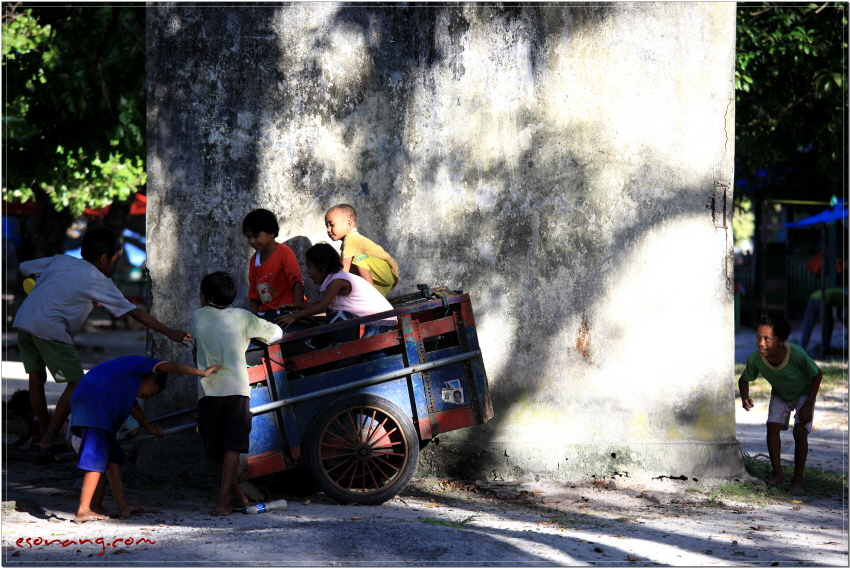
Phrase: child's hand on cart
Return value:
(286, 321)
(155, 431)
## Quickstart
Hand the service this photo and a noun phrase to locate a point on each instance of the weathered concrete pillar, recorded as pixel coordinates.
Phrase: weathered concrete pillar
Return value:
(569, 167)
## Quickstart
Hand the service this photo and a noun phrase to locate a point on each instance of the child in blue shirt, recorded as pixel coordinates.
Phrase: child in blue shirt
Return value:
(101, 402)
(795, 379)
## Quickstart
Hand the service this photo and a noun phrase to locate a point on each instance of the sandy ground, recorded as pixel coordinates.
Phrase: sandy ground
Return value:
(434, 521)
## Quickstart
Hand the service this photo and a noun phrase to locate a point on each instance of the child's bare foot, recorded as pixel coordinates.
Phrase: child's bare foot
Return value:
(85, 516)
(219, 512)
(238, 507)
(775, 481)
(796, 489)
(99, 510)
(126, 511)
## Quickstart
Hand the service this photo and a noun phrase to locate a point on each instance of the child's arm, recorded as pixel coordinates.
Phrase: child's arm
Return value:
(298, 292)
(744, 388)
(179, 368)
(807, 409)
(147, 320)
(365, 274)
(139, 415)
(346, 263)
(335, 288)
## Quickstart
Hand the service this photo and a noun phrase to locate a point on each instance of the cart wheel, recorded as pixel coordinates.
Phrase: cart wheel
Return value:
(363, 450)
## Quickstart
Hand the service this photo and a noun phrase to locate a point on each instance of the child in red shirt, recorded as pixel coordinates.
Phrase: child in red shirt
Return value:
(274, 277)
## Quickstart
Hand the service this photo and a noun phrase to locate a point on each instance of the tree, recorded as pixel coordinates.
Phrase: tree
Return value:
(791, 100)
(74, 110)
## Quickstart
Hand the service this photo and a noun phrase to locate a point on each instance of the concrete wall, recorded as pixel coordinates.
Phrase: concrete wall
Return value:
(569, 167)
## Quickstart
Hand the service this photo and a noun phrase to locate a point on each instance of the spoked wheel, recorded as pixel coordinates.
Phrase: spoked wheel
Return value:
(363, 450)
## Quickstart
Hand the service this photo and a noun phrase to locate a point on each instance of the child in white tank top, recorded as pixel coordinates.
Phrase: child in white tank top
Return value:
(342, 292)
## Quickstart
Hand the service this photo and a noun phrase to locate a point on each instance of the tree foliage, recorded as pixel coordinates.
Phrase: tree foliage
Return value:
(791, 98)
(74, 108)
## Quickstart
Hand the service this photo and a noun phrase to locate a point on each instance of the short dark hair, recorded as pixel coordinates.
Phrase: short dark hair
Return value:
(19, 402)
(219, 288)
(781, 327)
(324, 257)
(98, 241)
(261, 220)
(161, 380)
(346, 210)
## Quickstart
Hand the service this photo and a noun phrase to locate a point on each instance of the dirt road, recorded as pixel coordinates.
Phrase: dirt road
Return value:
(622, 521)
(434, 522)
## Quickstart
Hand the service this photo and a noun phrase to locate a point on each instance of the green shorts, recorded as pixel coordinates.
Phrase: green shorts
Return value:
(61, 358)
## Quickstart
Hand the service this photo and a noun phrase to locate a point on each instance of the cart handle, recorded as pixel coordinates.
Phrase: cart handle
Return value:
(268, 407)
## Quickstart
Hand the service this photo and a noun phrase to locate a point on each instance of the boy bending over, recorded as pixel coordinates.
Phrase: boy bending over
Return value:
(66, 291)
(795, 380)
(361, 256)
(221, 336)
(100, 404)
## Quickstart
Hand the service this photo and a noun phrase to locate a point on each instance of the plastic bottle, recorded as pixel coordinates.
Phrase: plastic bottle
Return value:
(278, 505)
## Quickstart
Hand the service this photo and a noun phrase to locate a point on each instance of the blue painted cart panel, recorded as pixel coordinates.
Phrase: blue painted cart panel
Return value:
(423, 396)
(264, 431)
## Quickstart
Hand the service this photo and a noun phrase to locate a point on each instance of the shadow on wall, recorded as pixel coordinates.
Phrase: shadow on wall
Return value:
(540, 237)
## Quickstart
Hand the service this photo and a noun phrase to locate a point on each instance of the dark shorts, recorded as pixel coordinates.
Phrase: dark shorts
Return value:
(61, 359)
(224, 423)
(98, 447)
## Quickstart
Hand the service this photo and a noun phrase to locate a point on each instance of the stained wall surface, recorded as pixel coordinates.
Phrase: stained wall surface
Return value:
(569, 167)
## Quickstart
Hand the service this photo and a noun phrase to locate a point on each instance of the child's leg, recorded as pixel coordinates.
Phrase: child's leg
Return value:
(801, 445)
(778, 416)
(91, 479)
(774, 450)
(225, 427)
(228, 469)
(97, 498)
(801, 452)
(38, 400)
(60, 415)
(113, 471)
(363, 273)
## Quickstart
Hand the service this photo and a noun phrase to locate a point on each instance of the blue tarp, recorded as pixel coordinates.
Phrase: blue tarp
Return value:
(826, 216)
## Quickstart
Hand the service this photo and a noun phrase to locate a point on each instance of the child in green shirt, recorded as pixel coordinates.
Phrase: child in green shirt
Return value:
(795, 379)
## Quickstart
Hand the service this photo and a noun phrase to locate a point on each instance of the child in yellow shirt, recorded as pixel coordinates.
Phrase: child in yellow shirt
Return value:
(360, 255)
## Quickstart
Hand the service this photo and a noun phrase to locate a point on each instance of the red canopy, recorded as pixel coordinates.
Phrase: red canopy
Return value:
(28, 209)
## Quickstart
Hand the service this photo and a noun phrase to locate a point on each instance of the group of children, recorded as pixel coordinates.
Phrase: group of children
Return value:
(353, 283)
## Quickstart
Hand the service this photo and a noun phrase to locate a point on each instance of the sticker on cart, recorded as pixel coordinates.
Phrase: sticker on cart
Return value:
(454, 396)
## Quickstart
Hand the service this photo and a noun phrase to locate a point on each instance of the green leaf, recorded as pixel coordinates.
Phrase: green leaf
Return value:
(53, 100)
